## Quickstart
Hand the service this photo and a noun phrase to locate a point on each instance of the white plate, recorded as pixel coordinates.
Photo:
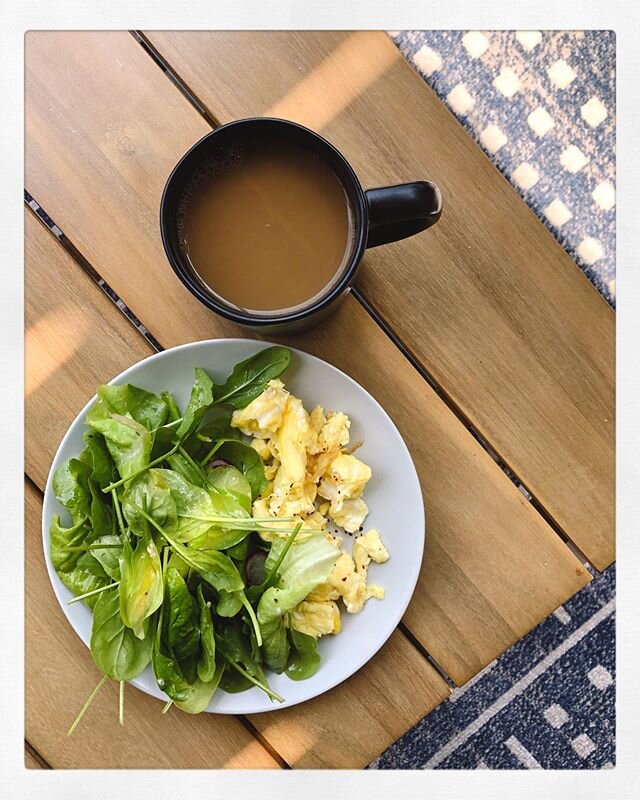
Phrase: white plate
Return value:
(393, 495)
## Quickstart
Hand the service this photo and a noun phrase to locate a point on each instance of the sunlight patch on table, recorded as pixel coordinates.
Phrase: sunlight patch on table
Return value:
(51, 342)
(336, 82)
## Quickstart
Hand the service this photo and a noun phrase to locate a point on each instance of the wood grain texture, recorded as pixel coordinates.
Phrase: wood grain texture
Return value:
(487, 300)
(417, 689)
(492, 568)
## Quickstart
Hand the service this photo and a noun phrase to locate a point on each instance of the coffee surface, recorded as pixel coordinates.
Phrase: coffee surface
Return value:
(267, 226)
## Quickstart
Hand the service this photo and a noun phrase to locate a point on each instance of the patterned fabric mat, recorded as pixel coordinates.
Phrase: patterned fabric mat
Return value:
(548, 702)
(542, 105)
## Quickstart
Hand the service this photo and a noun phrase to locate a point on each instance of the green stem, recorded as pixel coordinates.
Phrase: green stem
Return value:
(167, 706)
(86, 547)
(193, 463)
(90, 700)
(253, 618)
(171, 424)
(269, 692)
(121, 704)
(116, 503)
(211, 453)
(153, 463)
(239, 520)
(94, 591)
(176, 545)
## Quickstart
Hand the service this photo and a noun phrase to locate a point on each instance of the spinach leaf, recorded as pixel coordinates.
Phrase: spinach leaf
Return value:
(231, 480)
(91, 566)
(144, 407)
(128, 442)
(174, 411)
(240, 551)
(80, 581)
(217, 569)
(149, 491)
(247, 460)
(235, 647)
(102, 473)
(164, 437)
(102, 470)
(108, 557)
(216, 539)
(250, 377)
(200, 692)
(304, 659)
(140, 589)
(192, 695)
(71, 487)
(233, 682)
(100, 512)
(168, 675)
(275, 645)
(200, 400)
(305, 565)
(177, 563)
(197, 509)
(115, 649)
(207, 660)
(180, 464)
(216, 425)
(229, 603)
(181, 629)
(165, 666)
(61, 539)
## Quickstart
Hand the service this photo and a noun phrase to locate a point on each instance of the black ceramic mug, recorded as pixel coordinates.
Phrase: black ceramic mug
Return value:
(380, 215)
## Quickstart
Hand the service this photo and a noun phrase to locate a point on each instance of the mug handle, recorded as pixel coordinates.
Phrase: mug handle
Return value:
(396, 212)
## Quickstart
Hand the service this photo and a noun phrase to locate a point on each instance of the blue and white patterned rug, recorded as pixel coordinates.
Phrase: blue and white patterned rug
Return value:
(542, 105)
(548, 702)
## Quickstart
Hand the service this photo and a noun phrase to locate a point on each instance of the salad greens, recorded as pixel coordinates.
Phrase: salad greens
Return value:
(162, 546)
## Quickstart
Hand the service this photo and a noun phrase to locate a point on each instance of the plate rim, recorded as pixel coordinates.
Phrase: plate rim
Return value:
(412, 577)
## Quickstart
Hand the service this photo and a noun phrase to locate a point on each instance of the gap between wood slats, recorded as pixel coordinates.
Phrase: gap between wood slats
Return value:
(31, 750)
(200, 107)
(87, 267)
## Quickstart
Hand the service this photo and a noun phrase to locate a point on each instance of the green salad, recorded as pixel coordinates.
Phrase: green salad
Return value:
(162, 546)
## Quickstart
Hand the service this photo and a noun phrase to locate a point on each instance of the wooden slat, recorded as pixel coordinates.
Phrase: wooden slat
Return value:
(487, 300)
(108, 344)
(492, 569)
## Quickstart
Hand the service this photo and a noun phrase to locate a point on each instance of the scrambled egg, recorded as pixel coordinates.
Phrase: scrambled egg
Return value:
(313, 478)
(347, 581)
(263, 416)
(316, 619)
(342, 484)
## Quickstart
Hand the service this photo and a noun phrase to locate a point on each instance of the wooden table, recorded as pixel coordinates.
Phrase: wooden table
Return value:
(481, 338)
